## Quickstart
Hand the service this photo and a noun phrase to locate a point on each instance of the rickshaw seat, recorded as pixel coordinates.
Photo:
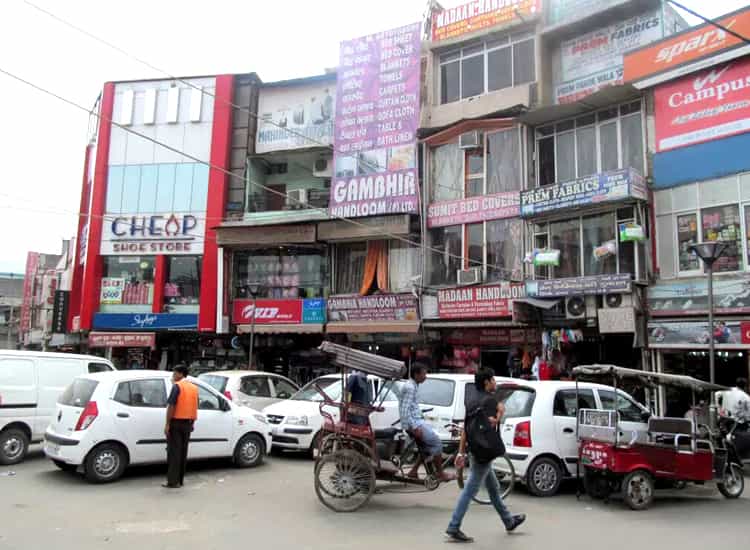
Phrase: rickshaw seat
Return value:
(670, 431)
(386, 433)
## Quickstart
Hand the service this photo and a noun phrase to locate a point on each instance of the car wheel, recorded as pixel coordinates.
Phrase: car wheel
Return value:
(544, 477)
(14, 444)
(64, 466)
(638, 489)
(105, 463)
(249, 451)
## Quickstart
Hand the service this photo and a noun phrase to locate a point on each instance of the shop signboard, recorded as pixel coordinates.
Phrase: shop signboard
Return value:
(687, 51)
(279, 312)
(112, 290)
(374, 226)
(122, 340)
(690, 296)
(708, 105)
(611, 186)
(564, 11)
(480, 14)
(140, 321)
(492, 336)
(577, 286)
(377, 116)
(172, 234)
(295, 116)
(32, 264)
(60, 311)
(479, 301)
(379, 307)
(594, 60)
(695, 334)
(473, 210)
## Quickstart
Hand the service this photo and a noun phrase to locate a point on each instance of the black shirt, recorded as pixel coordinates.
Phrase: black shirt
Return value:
(475, 398)
(173, 395)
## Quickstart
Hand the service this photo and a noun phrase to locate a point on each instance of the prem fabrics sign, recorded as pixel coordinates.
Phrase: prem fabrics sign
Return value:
(377, 116)
(708, 105)
(156, 234)
(478, 15)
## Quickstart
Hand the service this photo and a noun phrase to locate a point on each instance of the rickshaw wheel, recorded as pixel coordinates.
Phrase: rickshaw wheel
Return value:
(638, 489)
(733, 482)
(344, 480)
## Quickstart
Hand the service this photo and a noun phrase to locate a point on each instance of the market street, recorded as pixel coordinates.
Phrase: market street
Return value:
(275, 506)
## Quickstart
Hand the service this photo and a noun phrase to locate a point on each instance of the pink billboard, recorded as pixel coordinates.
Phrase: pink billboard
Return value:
(474, 210)
(32, 264)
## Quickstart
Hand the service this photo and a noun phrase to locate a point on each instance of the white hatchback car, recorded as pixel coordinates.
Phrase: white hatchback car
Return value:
(105, 422)
(254, 389)
(539, 427)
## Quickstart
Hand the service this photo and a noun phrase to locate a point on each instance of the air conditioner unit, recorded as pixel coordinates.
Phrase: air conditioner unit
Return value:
(617, 300)
(469, 276)
(323, 168)
(470, 140)
(580, 307)
(296, 198)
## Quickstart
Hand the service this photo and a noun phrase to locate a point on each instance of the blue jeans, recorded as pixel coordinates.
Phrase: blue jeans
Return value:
(479, 473)
(430, 441)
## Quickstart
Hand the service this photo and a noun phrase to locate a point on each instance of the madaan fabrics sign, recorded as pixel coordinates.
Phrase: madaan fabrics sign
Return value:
(172, 234)
(377, 115)
(479, 301)
(478, 15)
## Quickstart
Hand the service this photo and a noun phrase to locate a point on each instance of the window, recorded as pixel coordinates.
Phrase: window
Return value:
(504, 250)
(566, 237)
(446, 171)
(444, 258)
(133, 276)
(599, 244)
(486, 67)
(142, 393)
(78, 393)
(518, 402)
(331, 386)
(541, 242)
(283, 389)
(629, 411)
(183, 286)
(565, 402)
(219, 383)
(475, 245)
(597, 142)
(208, 401)
(403, 264)
(99, 367)
(255, 386)
(504, 161)
(437, 392)
(350, 267)
(474, 173)
(722, 223)
(283, 272)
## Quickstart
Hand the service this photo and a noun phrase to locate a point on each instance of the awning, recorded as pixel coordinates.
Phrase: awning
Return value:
(538, 302)
(304, 328)
(361, 327)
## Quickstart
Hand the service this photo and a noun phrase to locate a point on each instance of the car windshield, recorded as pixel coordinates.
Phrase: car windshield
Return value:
(518, 401)
(78, 393)
(219, 383)
(436, 391)
(332, 387)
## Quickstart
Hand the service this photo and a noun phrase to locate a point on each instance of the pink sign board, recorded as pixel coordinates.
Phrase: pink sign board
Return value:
(479, 301)
(474, 210)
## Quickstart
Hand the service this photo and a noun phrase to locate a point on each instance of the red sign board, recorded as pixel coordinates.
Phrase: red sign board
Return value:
(32, 264)
(493, 337)
(267, 312)
(704, 106)
(474, 210)
(479, 301)
(122, 340)
(745, 330)
(480, 14)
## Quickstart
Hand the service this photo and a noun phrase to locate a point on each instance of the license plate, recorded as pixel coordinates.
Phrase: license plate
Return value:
(52, 448)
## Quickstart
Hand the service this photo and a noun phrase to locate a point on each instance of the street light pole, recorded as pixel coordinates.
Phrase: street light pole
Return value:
(254, 288)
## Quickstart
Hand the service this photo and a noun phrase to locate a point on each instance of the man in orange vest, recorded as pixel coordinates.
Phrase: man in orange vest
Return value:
(182, 410)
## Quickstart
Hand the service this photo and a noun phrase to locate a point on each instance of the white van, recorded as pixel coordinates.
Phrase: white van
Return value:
(30, 384)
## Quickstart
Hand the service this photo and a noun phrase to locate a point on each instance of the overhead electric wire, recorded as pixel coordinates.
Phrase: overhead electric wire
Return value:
(710, 21)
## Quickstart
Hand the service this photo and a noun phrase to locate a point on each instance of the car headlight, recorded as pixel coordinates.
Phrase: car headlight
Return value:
(297, 420)
(260, 418)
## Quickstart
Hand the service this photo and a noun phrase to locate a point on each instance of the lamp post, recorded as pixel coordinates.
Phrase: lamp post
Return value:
(253, 288)
(709, 252)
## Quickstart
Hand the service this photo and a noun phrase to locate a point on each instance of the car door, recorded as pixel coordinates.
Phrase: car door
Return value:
(18, 391)
(53, 376)
(564, 410)
(255, 392)
(139, 410)
(212, 432)
(631, 422)
(282, 388)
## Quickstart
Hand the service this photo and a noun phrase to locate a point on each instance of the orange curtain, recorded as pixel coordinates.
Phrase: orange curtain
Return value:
(383, 267)
(376, 267)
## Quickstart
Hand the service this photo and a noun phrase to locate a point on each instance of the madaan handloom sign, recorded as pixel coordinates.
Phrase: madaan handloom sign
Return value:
(377, 116)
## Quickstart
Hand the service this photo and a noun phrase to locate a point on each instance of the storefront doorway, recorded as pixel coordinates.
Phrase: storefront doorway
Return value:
(496, 359)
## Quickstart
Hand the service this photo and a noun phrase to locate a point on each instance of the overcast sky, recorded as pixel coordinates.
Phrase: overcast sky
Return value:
(42, 140)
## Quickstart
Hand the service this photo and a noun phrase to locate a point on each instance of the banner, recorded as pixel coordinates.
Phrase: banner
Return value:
(32, 264)
(60, 311)
(605, 187)
(704, 106)
(594, 60)
(113, 289)
(480, 14)
(380, 307)
(695, 334)
(473, 210)
(295, 116)
(140, 321)
(576, 286)
(122, 340)
(493, 337)
(172, 234)
(377, 116)
(279, 312)
(690, 296)
(479, 301)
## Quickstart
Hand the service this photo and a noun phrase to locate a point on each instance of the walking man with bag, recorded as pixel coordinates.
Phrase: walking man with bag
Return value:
(483, 416)
(182, 410)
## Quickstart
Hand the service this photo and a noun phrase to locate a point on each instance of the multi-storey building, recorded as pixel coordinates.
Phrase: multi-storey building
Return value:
(11, 298)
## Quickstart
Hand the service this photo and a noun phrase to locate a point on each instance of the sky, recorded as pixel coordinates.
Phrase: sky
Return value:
(42, 139)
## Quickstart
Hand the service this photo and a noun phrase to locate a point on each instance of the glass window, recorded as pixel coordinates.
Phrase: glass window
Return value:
(447, 172)
(219, 383)
(687, 235)
(472, 76)
(137, 274)
(208, 401)
(149, 185)
(566, 157)
(283, 389)
(475, 237)
(503, 161)
(114, 189)
(283, 272)
(183, 286)
(331, 386)
(474, 173)
(504, 249)
(122, 395)
(165, 188)
(403, 264)
(518, 402)
(499, 69)
(255, 386)
(350, 267)
(450, 89)
(200, 188)
(722, 223)
(626, 250)
(437, 392)
(131, 189)
(565, 237)
(541, 241)
(547, 161)
(523, 62)
(443, 265)
(78, 393)
(632, 142)
(586, 151)
(99, 367)
(183, 187)
(565, 402)
(599, 244)
(628, 409)
(608, 144)
(147, 393)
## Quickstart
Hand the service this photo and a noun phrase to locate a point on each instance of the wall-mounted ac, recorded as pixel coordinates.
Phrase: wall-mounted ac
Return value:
(297, 198)
(470, 140)
(580, 307)
(323, 168)
(618, 300)
(470, 276)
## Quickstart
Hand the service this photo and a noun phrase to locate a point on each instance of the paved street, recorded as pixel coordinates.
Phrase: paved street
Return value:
(275, 507)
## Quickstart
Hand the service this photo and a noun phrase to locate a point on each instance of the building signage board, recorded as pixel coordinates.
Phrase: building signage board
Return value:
(594, 60)
(122, 340)
(140, 321)
(690, 296)
(695, 334)
(32, 264)
(605, 187)
(704, 106)
(279, 312)
(60, 311)
(295, 116)
(473, 210)
(377, 116)
(367, 227)
(480, 14)
(171, 234)
(380, 307)
(270, 234)
(113, 289)
(576, 286)
(685, 51)
(479, 301)
(492, 336)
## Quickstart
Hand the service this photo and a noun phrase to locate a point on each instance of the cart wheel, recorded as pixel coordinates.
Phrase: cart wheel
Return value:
(596, 485)
(344, 480)
(638, 489)
(733, 482)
